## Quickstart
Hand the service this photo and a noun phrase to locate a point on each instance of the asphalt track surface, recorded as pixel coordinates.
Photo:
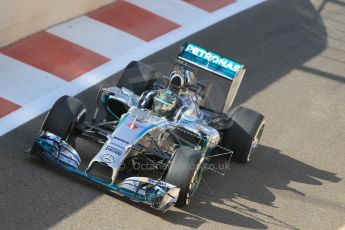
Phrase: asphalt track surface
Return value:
(295, 54)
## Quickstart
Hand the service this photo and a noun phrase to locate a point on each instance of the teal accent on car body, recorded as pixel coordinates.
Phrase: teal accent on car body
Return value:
(210, 61)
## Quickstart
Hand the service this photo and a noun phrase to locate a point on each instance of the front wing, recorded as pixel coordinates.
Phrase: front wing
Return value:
(159, 195)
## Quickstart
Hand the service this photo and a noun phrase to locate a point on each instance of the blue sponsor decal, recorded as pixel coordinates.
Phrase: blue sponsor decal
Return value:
(209, 61)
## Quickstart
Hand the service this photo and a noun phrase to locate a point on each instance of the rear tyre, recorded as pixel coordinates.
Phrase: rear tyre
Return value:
(64, 116)
(243, 136)
(185, 173)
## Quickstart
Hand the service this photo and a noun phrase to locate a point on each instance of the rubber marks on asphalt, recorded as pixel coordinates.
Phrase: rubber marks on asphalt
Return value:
(7, 107)
(210, 6)
(55, 55)
(133, 20)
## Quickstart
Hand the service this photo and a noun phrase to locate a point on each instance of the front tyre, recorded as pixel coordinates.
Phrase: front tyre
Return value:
(64, 116)
(62, 119)
(185, 172)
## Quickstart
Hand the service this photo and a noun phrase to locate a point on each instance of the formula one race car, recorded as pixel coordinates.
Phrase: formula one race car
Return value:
(157, 131)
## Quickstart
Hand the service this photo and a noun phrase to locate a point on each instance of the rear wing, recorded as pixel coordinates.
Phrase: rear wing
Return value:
(217, 65)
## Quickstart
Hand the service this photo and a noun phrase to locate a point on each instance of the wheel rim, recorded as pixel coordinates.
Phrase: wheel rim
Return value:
(255, 141)
(195, 181)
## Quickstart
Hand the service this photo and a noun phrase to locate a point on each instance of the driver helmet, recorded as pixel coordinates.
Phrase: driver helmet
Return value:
(164, 102)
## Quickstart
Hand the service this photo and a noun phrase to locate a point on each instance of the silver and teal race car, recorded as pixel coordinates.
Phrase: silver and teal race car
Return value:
(157, 129)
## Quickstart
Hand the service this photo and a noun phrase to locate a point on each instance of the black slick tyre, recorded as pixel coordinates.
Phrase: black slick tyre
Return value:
(64, 116)
(243, 135)
(185, 173)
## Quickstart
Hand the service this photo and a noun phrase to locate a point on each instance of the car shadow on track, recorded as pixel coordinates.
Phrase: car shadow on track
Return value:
(221, 200)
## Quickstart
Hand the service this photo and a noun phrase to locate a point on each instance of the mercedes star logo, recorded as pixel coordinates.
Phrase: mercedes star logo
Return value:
(108, 158)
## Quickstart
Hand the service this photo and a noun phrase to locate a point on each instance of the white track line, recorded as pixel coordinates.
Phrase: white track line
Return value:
(40, 105)
(99, 37)
(177, 11)
(22, 83)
